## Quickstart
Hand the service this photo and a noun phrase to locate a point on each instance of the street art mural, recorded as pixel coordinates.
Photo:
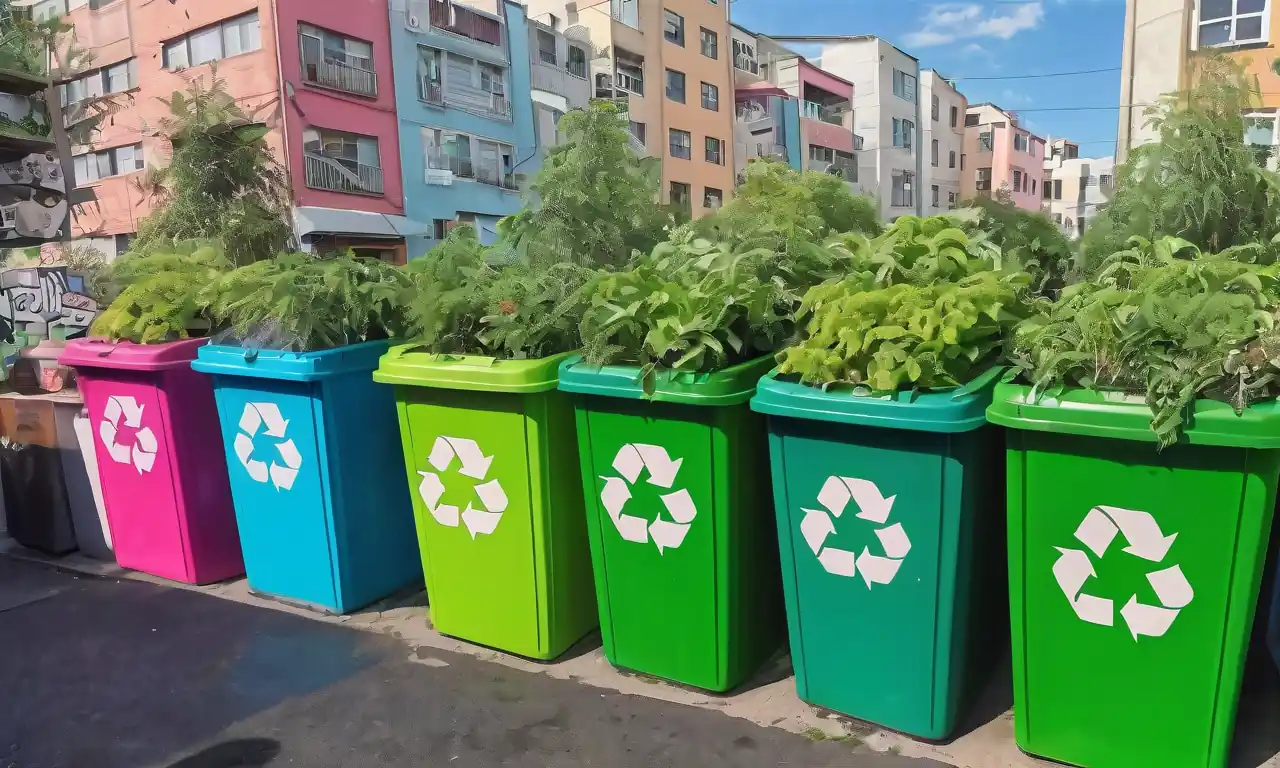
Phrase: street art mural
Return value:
(33, 200)
(43, 301)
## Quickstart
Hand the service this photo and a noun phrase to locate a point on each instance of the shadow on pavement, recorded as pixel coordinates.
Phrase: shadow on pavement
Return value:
(238, 753)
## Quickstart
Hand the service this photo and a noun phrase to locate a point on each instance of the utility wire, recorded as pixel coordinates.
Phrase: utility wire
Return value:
(1032, 77)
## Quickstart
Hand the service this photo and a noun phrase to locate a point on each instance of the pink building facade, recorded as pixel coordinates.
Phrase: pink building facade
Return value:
(999, 155)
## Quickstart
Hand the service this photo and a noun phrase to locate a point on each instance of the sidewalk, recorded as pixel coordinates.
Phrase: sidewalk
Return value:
(768, 701)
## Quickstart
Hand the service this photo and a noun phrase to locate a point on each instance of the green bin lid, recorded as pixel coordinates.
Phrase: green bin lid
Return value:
(230, 360)
(1101, 413)
(412, 365)
(947, 411)
(730, 386)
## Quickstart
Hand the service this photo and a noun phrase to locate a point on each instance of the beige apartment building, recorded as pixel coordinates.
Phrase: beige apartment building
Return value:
(1075, 188)
(669, 61)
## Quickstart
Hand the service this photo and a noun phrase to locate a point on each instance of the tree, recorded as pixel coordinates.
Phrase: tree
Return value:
(222, 182)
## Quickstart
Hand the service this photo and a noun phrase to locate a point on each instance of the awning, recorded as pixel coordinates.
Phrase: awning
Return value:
(312, 220)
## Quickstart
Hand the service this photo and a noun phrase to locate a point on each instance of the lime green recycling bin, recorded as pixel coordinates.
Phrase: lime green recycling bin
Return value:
(892, 540)
(682, 533)
(491, 455)
(1133, 574)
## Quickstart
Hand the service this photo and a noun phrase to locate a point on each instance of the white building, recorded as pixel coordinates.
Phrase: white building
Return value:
(943, 140)
(1074, 186)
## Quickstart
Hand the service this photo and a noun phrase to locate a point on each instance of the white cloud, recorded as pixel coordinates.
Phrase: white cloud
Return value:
(949, 22)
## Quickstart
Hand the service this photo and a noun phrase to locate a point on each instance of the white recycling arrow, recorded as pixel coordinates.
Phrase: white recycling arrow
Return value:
(1140, 529)
(124, 410)
(629, 461)
(281, 472)
(479, 520)
(1072, 570)
(817, 524)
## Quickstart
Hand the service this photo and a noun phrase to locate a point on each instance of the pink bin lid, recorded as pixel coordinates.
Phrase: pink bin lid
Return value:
(127, 356)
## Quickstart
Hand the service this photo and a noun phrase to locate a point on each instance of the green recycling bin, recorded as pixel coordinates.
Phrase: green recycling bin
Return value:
(491, 455)
(892, 540)
(683, 540)
(1133, 573)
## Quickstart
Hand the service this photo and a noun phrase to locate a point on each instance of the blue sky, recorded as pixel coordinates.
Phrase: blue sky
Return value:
(987, 38)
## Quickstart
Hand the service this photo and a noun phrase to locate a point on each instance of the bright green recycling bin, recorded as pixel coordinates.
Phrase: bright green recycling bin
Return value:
(491, 455)
(892, 539)
(682, 534)
(1133, 574)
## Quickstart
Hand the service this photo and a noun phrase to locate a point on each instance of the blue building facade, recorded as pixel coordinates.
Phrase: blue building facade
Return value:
(463, 94)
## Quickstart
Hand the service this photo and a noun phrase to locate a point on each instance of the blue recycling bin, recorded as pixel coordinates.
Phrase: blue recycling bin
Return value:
(317, 473)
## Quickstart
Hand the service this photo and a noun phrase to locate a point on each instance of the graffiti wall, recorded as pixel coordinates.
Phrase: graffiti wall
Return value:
(45, 302)
(32, 198)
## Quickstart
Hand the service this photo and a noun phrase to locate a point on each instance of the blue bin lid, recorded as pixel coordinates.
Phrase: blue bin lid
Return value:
(228, 360)
(948, 411)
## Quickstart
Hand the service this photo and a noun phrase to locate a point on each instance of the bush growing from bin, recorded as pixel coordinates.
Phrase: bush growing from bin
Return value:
(163, 294)
(1028, 240)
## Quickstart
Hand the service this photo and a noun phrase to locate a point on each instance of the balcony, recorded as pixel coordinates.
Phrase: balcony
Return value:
(465, 168)
(342, 175)
(464, 22)
(770, 151)
(746, 64)
(431, 92)
(358, 78)
(858, 141)
(845, 170)
(815, 111)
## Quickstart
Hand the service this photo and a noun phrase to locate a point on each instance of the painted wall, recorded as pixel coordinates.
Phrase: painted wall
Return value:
(317, 106)
(1003, 159)
(43, 301)
(944, 175)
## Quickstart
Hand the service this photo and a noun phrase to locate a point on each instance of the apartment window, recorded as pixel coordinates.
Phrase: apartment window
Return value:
(933, 195)
(712, 198)
(904, 85)
(1057, 219)
(710, 97)
(951, 200)
(546, 47)
(955, 116)
(934, 108)
(114, 79)
(951, 160)
(675, 86)
(970, 120)
(629, 74)
(637, 130)
(92, 166)
(1057, 189)
(710, 43)
(220, 41)
(962, 157)
(627, 12)
(673, 28)
(1080, 225)
(341, 162)
(577, 63)
(903, 189)
(681, 144)
(336, 61)
(1091, 181)
(821, 154)
(744, 57)
(463, 82)
(986, 141)
(123, 242)
(1021, 142)
(681, 194)
(715, 151)
(1048, 189)
(1033, 186)
(984, 179)
(469, 157)
(933, 153)
(1017, 181)
(1233, 22)
(904, 132)
(430, 79)
(1105, 179)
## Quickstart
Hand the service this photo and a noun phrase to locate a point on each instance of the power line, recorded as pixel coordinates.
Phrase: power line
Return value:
(1049, 74)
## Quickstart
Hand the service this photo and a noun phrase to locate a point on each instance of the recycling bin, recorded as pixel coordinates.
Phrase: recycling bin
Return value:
(1133, 574)
(892, 543)
(683, 542)
(491, 455)
(164, 483)
(314, 454)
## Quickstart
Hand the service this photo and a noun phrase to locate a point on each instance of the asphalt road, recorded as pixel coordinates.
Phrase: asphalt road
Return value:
(121, 674)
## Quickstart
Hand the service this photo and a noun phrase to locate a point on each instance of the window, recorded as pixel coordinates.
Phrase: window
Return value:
(986, 141)
(681, 144)
(335, 61)
(1080, 225)
(1020, 142)
(1033, 186)
(934, 109)
(951, 161)
(470, 157)
(92, 166)
(1017, 181)
(903, 192)
(114, 79)
(123, 243)
(577, 63)
(1232, 22)
(465, 22)
(229, 38)
(341, 162)
(955, 116)
(1057, 189)
(627, 12)
(933, 195)
(1057, 219)
(430, 80)
(710, 97)
(821, 154)
(1091, 181)
(1105, 179)
(710, 42)
(1048, 189)
(933, 153)
(904, 85)
(744, 57)
(673, 28)
(951, 200)
(637, 130)
(715, 151)
(984, 180)
(629, 75)
(712, 198)
(675, 86)
(462, 82)
(903, 133)
(962, 156)
(681, 194)
(970, 120)
(546, 47)
(440, 228)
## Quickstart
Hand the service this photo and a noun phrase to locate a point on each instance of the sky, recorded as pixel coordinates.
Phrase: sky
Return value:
(986, 39)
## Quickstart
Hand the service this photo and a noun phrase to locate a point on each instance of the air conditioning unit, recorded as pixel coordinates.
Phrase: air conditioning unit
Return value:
(414, 22)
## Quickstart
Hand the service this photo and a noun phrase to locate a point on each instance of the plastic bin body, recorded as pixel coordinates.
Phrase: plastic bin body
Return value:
(164, 482)
(687, 577)
(490, 451)
(901, 500)
(1164, 551)
(312, 446)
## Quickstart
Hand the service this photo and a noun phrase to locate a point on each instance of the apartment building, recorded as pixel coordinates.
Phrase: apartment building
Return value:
(770, 83)
(670, 63)
(317, 74)
(1001, 156)
(1160, 38)
(1074, 187)
(943, 138)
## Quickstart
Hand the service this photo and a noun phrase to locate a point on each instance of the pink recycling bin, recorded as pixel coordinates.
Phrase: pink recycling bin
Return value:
(159, 449)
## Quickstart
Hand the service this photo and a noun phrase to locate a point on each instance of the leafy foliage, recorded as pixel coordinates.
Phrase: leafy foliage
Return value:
(1028, 240)
(162, 295)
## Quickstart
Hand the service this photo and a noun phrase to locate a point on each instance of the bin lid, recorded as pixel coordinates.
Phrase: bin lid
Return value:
(412, 365)
(127, 356)
(231, 360)
(947, 411)
(730, 386)
(1100, 413)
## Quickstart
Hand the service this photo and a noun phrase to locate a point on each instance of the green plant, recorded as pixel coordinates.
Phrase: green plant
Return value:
(162, 295)
(1028, 240)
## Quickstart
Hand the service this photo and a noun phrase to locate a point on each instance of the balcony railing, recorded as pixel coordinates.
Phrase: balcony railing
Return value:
(815, 111)
(747, 113)
(547, 57)
(431, 92)
(464, 21)
(576, 68)
(770, 151)
(857, 142)
(466, 168)
(329, 173)
(340, 76)
(746, 64)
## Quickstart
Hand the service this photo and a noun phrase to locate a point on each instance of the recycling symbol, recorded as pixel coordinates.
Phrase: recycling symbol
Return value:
(282, 473)
(142, 454)
(666, 534)
(1146, 541)
(817, 525)
(474, 464)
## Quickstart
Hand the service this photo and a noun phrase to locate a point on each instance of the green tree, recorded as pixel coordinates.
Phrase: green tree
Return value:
(1029, 239)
